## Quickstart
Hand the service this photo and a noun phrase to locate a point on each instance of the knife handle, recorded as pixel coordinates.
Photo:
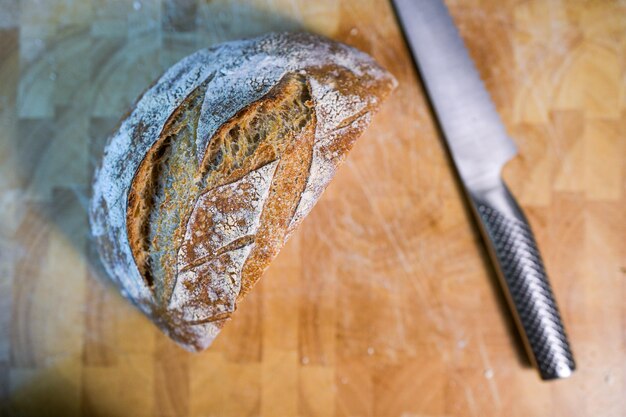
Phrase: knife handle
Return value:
(513, 249)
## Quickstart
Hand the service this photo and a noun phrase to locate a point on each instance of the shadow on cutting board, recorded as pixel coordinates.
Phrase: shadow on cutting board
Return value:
(51, 392)
(71, 89)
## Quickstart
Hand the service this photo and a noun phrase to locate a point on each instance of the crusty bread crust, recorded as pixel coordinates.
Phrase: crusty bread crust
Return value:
(216, 166)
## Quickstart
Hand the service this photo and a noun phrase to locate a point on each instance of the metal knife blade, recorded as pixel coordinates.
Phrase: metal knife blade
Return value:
(475, 135)
(480, 147)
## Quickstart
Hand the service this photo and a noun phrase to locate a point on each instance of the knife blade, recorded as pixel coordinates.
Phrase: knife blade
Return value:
(479, 146)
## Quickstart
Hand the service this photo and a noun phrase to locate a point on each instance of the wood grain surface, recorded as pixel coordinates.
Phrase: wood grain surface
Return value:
(383, 303)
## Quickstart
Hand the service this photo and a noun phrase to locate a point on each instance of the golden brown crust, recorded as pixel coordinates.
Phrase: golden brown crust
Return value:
(145, 188)
(287, 187)
(205, 216)
(169, 180)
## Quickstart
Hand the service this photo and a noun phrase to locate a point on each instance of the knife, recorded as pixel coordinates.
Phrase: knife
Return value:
(479, 147)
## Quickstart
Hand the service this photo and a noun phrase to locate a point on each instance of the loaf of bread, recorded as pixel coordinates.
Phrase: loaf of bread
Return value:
(217, 164)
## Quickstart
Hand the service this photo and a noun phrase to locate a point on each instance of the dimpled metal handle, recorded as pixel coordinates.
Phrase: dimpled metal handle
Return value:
(524, 279)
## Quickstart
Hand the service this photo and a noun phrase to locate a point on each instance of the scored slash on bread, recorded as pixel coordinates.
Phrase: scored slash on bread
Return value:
(217, 165)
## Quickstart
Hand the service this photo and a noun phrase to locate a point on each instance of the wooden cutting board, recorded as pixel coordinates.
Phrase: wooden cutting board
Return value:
(383, 303)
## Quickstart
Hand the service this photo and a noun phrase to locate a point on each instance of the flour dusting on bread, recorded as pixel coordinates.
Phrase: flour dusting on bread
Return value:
(216, 166)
